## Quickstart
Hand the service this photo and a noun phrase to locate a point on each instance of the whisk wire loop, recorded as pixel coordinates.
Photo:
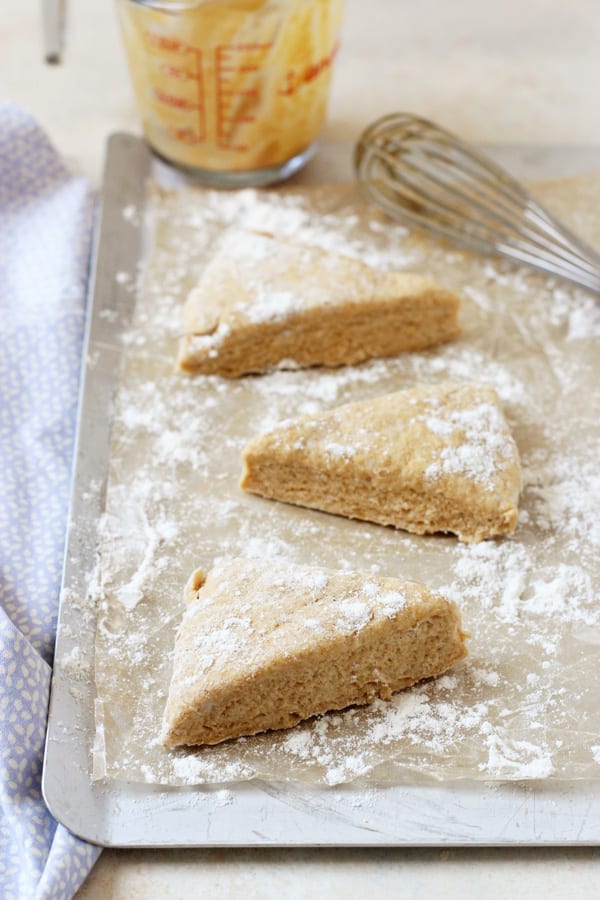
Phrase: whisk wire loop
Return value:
(424, 175)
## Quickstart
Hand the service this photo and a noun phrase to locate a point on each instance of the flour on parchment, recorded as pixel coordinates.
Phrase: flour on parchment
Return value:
(524, 703)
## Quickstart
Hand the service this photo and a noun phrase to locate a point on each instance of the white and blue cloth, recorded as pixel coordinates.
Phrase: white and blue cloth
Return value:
(45, 228)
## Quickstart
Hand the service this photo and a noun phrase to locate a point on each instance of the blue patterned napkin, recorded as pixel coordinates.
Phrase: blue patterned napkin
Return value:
(45, 226)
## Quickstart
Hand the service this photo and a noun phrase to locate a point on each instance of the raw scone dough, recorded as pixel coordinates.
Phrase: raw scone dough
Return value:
(263, 303)
(429, 459)
(264, 644)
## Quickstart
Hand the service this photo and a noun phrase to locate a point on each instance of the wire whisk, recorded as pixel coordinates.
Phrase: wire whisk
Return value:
(424, 175)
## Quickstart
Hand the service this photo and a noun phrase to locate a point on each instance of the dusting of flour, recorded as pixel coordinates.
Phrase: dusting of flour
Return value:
(524, 703)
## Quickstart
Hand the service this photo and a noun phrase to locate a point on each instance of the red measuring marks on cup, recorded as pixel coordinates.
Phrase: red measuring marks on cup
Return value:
(178, 85)
(238, 70)
(213, 95)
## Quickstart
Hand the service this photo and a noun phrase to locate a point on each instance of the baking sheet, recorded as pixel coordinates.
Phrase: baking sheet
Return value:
(567, 319)
(524, 704)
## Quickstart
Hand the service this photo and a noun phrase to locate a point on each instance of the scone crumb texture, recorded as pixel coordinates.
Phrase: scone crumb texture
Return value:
(264, 644)
(432, 458)
(263, 303)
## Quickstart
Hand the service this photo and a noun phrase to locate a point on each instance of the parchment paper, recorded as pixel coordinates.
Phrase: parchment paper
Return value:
(524, 704)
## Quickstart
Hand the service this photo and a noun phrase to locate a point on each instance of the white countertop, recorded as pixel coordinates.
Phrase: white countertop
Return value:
(497, 72)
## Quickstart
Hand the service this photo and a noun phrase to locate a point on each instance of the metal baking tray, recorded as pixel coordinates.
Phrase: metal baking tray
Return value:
(255, 813)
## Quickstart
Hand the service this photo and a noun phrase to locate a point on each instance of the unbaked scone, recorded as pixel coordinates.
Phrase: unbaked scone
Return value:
(263, 303)
(264, 644)
(434, 458)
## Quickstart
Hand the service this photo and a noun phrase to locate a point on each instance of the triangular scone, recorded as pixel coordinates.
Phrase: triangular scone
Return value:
(264, 644)
(432, 458)
(263, 303)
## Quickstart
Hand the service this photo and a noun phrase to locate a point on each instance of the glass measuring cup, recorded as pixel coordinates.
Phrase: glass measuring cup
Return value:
(234, 91)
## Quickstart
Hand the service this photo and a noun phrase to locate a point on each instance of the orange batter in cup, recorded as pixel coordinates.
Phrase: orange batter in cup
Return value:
(234, 89)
